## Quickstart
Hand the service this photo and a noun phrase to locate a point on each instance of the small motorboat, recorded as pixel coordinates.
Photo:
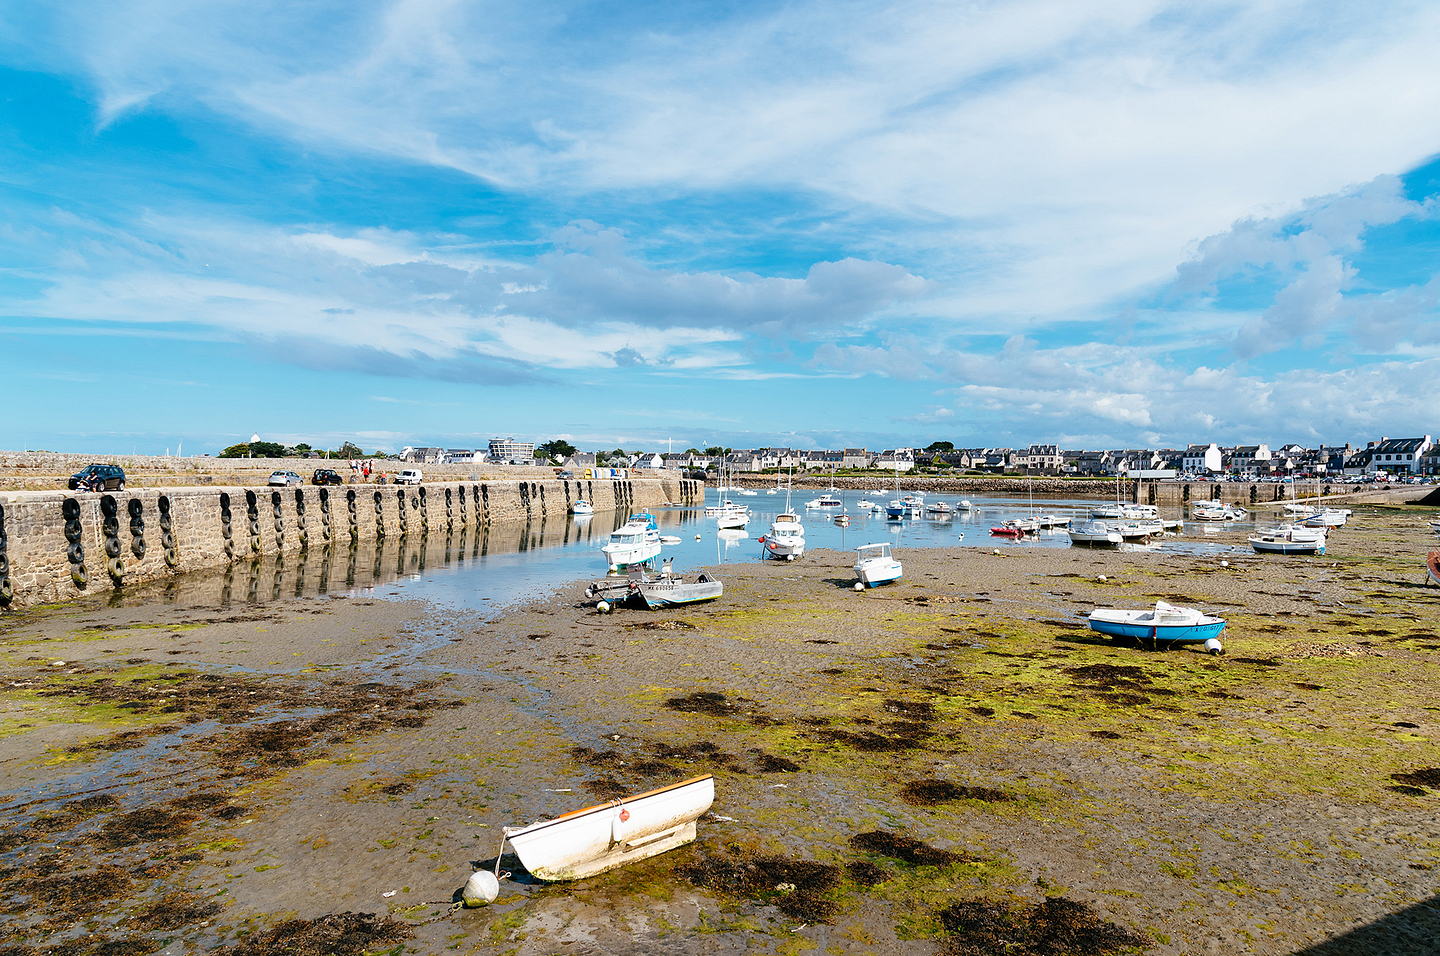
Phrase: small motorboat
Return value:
(1216, 511)
(1162, 623)
(1289, 539)
(825, 501)
(865, 504)
(731, 516)
(964, 505)
(939, 509)
(875, 565)
(586, 842)
(582, 507)
(1432, 567)
(1094, 532)
(1052, 521)
(668, 589)
(634, 542)
(1016, 527)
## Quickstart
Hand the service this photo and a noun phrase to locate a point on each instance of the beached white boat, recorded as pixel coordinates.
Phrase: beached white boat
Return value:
(1289, 539)
(786, 538)
(875, 565)
(1093, 533)
(1216, 511)
(582, 507)
(634, 542)
(668, 589)
(1164, 622)
(599, 838)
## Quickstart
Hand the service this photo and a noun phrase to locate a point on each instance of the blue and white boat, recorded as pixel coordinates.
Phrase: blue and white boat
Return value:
(875, 565)
(634, 542)
(1162, 623)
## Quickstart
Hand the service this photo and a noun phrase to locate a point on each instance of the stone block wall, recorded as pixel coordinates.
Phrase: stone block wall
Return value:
(55, 546)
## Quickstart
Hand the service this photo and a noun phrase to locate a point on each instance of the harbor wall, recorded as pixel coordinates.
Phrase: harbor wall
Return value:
(56, 546)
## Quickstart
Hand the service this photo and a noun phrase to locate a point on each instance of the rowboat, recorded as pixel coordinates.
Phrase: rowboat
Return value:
(1432, 567)
(586, 842)
(1163, 622)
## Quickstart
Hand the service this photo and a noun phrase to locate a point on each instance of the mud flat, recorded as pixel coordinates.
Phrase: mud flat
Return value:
(951, 764)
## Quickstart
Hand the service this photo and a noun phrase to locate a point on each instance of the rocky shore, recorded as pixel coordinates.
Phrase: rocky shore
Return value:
(952, 764)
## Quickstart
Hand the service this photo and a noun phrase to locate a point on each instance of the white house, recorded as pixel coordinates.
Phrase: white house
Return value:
(1397, 456)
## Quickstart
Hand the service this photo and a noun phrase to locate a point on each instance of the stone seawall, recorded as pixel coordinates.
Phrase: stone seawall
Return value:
(55, 546)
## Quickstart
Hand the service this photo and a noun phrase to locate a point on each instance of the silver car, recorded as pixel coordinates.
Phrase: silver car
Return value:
(283, 478)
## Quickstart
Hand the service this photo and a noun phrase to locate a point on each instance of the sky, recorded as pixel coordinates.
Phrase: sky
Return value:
(647, 225)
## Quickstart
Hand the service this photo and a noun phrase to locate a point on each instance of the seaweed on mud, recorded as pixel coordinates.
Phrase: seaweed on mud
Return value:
(145, 825)
(1106, 735)
(606, 788)
(1258, 661)
(173, 911)
(339, 934)
(64, 894)
(903, 848)
(870, 742)
(661, 626)
(704, 702)
(595, 758)
(865, 873)
(700, 750)
(911, 710)
(982, 927)
(651, 768)
(1109, 676)
(797, 888)
(398, 788)
(833, 671)
(929, 793)
(982, 711)
(769, 763)
(1425, 777)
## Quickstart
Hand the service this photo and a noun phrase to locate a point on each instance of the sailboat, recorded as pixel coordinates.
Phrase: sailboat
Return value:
(786, 538)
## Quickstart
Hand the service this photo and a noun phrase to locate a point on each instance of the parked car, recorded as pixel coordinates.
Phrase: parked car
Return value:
(285, 478)
(566, 474)
(410, 476)
(99, 478)
(326, 476)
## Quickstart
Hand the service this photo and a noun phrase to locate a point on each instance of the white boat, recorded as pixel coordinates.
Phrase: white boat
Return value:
(1106, 513)
(1289, 539)
(865, 504)
(1163, 622)
(731, 516)
(668, 589)
(582, 507)
(938, 509)
(1216, 511)
(1052, 521)
(634, 542)
(964, 505)
(749, 492)
(826, 500)
(786, 538)
(1435, 527)
(586, 842)
(875, 565)
(1093, 533)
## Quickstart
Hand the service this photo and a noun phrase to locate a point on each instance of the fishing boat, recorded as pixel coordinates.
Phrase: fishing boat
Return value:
(586, 842)
(1432, 567)
(1162, 623)
(1289, 539)
(786, 538)
(826, 500)
(634, 542)
(875, 565)
(1094, 532)
(668, 589)
(582, 507)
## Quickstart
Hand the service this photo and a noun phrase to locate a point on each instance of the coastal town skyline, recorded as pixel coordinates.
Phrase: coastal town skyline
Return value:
(1121, 225)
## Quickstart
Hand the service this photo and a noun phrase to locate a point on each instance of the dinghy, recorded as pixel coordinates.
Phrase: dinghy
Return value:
(1163, 622)
(586, 842)
(1432, 567)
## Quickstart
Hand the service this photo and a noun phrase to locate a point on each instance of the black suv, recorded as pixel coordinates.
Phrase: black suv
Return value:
(326, 476)
(99, 478)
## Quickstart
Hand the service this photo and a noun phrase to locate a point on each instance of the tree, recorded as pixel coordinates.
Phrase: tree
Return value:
(714, 450)
(557, 448)
(940, 446)
(255, 449)
(692, 451)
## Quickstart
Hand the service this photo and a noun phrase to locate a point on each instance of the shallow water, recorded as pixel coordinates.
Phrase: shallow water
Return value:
(492, 568)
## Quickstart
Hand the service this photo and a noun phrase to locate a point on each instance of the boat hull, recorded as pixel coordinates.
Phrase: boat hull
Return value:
(609, 835)
(1432, 567)
(624, 556)
(874, 573)
(1153, 632)
(658, 594)
(1268, 544)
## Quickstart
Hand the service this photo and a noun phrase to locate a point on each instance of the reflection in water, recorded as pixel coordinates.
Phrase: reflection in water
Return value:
(397, 557)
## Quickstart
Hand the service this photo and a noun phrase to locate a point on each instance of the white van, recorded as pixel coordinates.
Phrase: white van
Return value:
(410, 476)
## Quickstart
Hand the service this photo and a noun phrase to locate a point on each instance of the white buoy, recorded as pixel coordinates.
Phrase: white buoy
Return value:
(480, 889)
(697, 537)
(859, 585)
(1224, 564)
(1102, 579)
(603, 607)
(1214, 647)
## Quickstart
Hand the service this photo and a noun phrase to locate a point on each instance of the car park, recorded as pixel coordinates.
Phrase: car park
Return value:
(326, 476)
(410, 476)
(285, 478)
(98, 477)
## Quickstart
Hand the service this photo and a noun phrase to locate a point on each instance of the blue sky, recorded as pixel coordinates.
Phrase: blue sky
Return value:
(817, 224)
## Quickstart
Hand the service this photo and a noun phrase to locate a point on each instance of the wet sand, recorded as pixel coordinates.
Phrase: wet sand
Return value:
(904, 770)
